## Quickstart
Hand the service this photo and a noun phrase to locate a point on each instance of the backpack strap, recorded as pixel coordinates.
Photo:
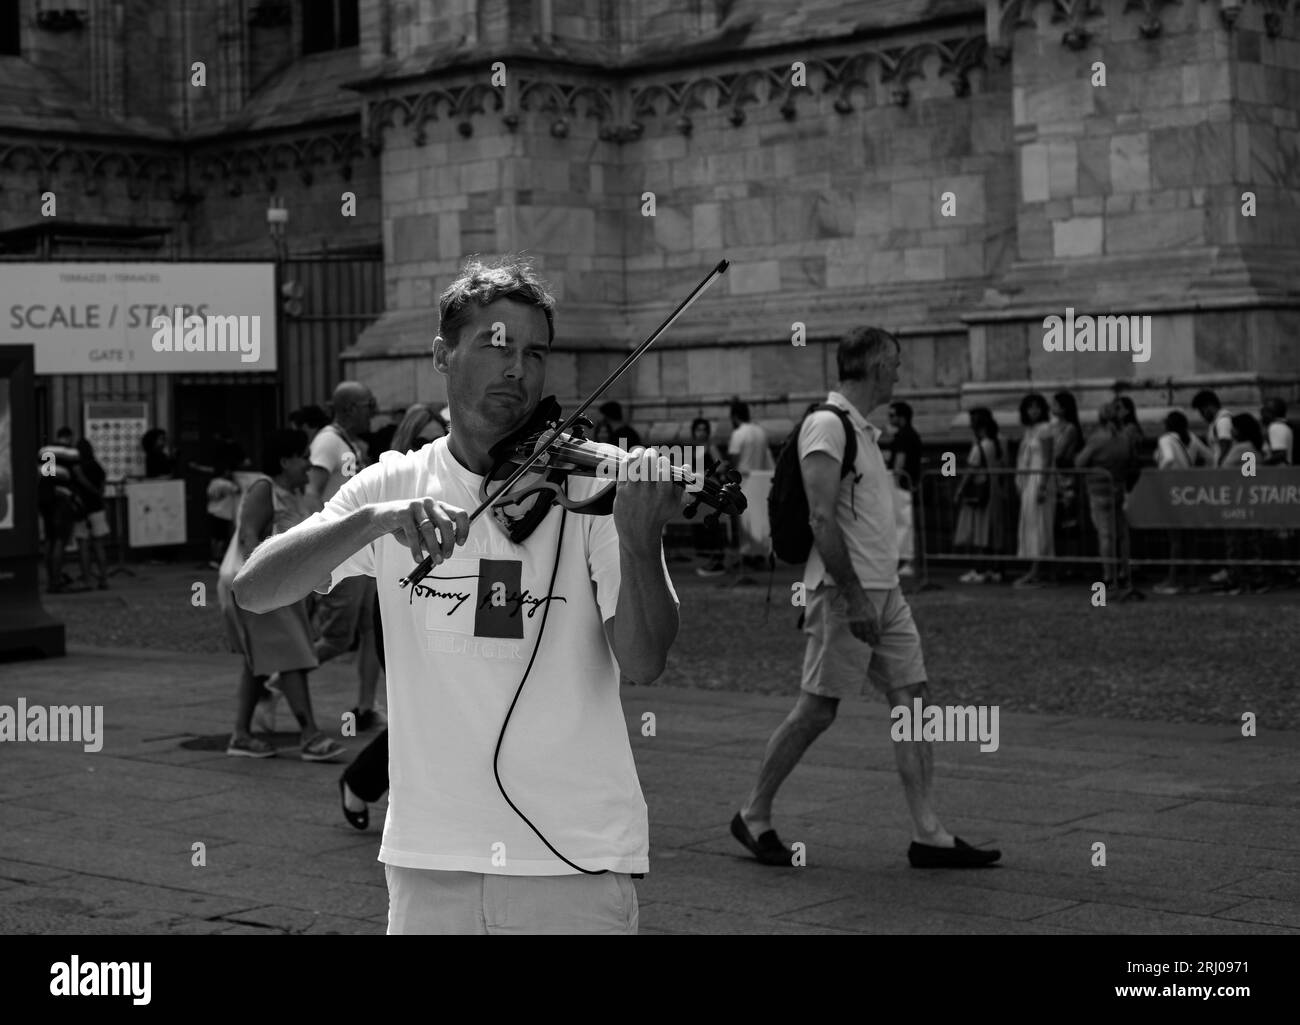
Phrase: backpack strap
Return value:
(850, 437)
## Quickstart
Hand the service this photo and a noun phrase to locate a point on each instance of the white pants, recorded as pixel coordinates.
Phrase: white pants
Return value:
(903, 522)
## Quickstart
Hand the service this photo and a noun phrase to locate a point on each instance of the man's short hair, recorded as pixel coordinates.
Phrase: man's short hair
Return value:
(612, 411)
(1205, 398)
(484, 283)
(740, 410)
(901, 410)
(62, 431)
(860, 350)
(1275, 409)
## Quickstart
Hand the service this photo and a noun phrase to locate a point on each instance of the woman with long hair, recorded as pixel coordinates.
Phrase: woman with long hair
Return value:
(277, 642)
(1245, 545)
(1067, 439)
(980, 500)
(1033, 482)
(1178, 449)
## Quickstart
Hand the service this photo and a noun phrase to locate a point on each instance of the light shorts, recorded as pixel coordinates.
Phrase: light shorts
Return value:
(427, 902)
(838, 665)
(94, 525)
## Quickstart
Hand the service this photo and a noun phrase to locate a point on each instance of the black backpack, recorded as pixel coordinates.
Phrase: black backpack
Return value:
(787, 502)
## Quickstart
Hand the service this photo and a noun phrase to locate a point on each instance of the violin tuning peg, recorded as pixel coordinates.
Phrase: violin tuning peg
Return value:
(733, 476)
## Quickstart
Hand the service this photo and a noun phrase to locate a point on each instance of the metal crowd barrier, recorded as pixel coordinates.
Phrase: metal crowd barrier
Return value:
(937, 511)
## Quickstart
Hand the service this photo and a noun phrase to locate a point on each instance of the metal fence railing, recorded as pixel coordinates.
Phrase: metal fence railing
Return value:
(1084, 524)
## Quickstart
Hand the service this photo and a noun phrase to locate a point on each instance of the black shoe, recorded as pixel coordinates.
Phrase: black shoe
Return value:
(359, 819)
(767, 848)
(367, 720)
(963, 855)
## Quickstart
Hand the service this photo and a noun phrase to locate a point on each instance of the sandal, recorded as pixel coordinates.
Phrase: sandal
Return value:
(253, 747)
(357, 819)
(322, 749)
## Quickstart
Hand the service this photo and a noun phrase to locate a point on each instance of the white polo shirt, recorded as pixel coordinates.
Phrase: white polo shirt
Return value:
(456, 651)
(865, 507)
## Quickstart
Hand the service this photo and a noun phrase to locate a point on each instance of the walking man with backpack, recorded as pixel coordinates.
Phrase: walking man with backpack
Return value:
(832, 503)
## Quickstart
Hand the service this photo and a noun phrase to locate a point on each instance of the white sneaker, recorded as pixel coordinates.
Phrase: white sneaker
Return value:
(905, 570)
(971, 576)
(1221, 577)
(993, 577)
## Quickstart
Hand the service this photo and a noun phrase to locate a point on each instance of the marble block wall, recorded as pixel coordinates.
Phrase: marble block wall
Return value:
(829, 200)
(1131, 195)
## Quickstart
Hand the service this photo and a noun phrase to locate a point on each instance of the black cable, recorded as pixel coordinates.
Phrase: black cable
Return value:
(550, 590)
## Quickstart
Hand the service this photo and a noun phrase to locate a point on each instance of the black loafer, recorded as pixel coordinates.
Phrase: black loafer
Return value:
(962, 855)
(358, 819)
(767, 848)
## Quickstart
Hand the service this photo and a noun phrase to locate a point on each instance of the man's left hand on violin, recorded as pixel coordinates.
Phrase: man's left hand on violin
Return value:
(646, 499)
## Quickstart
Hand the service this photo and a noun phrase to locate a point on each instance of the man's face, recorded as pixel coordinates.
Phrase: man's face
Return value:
(493, 388)
(887, 372)
(360, 413)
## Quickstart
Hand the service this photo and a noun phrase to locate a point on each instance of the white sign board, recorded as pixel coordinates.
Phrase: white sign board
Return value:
(141, 318)
(114, 430)
(155, 512)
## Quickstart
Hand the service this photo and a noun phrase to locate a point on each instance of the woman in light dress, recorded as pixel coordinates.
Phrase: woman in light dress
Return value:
(277, 642)
(1034, 482)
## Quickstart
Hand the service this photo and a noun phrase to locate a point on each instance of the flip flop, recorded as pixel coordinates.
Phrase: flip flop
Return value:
(357, 819)
(768, 849)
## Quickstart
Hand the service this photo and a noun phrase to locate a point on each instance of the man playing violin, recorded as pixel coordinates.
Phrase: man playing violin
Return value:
(576, 602)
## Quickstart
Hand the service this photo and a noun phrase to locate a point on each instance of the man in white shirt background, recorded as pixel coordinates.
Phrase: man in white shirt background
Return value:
(346, 614)
(1278, 436)
(748, 451)
(861, 635)
(512, 808)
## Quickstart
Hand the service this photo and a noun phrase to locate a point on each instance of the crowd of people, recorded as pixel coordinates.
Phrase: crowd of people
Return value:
(70, 500)
(1066, 479)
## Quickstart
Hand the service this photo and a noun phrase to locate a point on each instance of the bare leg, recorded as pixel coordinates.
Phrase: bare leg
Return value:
(97, 554)
(915, 760)
(250, 687)
(809, 719)
(293, 683)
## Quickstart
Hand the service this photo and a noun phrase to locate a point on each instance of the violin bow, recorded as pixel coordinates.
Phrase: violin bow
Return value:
(425, 567)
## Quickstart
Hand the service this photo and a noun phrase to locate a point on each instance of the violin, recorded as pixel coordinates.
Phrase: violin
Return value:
(556, 445)
(570, 453)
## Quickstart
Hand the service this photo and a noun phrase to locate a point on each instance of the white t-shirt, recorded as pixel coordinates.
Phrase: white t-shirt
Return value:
(1220, 429)
(456, 651)
(865, 509)
(333, 454)
(1279, 438)
(748, 448)
(1172, 455)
